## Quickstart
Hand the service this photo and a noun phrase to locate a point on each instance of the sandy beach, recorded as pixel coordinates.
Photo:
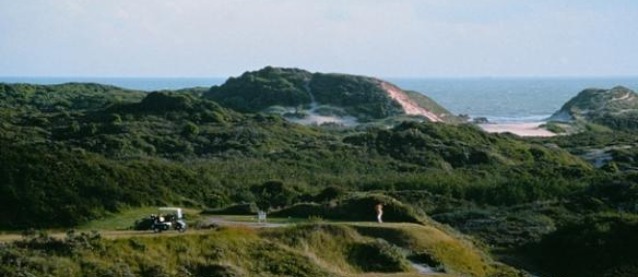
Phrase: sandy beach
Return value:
(525, 129)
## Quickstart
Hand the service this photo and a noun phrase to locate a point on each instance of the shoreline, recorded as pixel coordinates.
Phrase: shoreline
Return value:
(522, 129)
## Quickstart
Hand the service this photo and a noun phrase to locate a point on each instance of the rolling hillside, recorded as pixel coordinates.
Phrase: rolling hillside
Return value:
(300, 94)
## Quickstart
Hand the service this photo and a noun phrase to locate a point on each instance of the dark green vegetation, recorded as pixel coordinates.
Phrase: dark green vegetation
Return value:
(596, 245)
(258, 90)
(355, 208)
(77, 152)
(173, 147)
(616, 108)
(361, 97)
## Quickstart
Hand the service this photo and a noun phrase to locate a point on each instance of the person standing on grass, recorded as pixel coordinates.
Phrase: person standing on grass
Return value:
(379, 209)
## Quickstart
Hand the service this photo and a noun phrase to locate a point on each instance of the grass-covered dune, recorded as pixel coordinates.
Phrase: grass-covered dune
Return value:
(305, 250)
(615, 108)
(364, 98)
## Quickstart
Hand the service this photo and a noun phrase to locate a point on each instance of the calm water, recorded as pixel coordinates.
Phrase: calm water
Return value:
(498, 99)
(508, 99)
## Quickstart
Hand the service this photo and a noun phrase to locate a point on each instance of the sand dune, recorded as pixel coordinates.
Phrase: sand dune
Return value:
(407, 104)
(526, 129)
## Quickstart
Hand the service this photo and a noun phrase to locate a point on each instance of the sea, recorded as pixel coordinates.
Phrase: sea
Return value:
(500, 100)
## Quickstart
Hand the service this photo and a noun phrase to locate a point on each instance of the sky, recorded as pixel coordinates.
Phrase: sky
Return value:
(383, 38)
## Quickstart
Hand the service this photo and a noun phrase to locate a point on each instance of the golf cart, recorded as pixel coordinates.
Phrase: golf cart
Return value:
(168, 218)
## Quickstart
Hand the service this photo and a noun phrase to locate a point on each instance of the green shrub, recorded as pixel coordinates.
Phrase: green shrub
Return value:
(357, 207)
(215, 270)
(237, 209)
(302, 210)
(377, 256)
(361, 208)
(602, 245)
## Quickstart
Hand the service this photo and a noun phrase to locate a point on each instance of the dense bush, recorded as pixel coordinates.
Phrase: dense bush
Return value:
(625, 121)
(360, 96)
(43, 187)
(258, 90)
(600, 245)
(303, 210)
(378, 256)
(357, 207)
(235, 209)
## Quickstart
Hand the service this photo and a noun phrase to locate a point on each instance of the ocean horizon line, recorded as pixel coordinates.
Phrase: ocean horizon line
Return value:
(498, 100)
(375, 76)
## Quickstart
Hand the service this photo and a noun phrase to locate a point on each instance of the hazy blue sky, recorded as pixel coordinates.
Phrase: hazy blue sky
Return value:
(385, 38)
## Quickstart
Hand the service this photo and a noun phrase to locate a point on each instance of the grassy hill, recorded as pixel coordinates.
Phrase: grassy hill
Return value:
(73, 153)
(257, 90)
(616, 108)
(304, 250)
(300, 91)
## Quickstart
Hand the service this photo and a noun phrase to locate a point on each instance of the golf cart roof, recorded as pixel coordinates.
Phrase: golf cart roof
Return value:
(175, 210)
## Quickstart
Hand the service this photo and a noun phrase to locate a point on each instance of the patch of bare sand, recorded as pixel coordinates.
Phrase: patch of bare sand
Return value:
(526, 129)
(407, 104)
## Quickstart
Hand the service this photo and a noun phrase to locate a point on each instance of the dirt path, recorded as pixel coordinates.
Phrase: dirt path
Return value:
(117, 234)
(219, 221)
(108, 234)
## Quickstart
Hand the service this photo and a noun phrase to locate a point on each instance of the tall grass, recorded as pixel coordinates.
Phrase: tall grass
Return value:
(334, 249)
